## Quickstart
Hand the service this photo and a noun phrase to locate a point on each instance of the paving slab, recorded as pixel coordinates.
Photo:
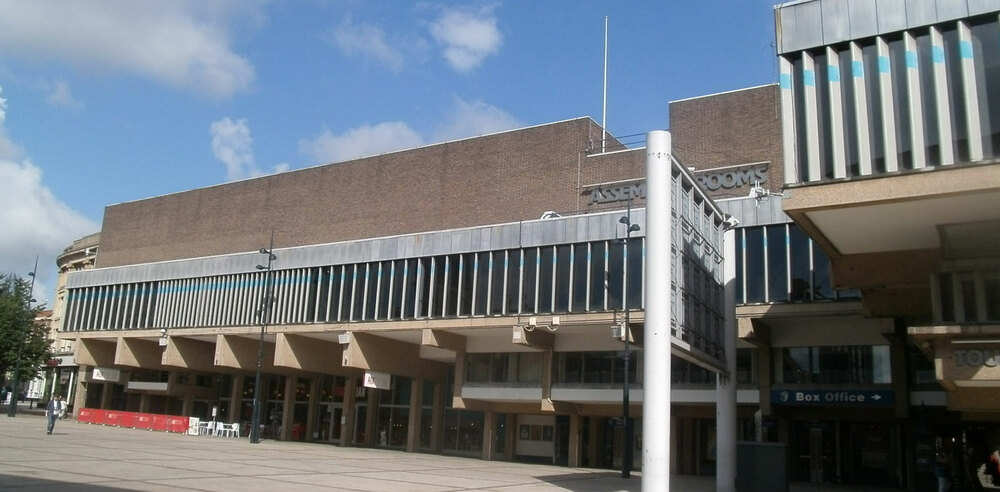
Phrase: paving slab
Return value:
(93, 458)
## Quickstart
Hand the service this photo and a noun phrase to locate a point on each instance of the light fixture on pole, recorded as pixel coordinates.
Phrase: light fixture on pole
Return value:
(627, 335)
(265, 318)
(16, 388)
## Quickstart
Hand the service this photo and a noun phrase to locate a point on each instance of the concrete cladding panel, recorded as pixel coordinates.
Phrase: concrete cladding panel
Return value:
(498, 178)
(812, 23)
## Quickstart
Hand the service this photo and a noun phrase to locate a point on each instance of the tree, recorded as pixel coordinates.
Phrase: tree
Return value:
(18, 330)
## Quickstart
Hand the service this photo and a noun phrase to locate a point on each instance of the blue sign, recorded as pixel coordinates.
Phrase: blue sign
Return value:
(848, 398)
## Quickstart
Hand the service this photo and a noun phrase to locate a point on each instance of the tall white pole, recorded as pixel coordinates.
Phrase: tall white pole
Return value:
(657, 343)
(725, 399)
(604, 104)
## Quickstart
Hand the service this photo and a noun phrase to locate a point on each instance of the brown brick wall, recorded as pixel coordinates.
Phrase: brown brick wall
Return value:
(735, 127)
(499, 178)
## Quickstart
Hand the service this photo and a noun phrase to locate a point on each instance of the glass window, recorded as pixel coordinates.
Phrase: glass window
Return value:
(616, 271)
(451, 275)
(801, 247)
(986, 56)
(371, 292)
(598, 274)
(777, 263)
(858, 364)
(396, 287)
(498, 273)
(410, 288)
(754, 267)
(822, 280)
(564, 265)
(477, 368)
(529, 367)
(581, 261)
(634, 276)
(438, 290)
(467, 271)
(423, 288)
(530, 279)
(598, 367)
(545, 271)
(513, 294)
(482, 283)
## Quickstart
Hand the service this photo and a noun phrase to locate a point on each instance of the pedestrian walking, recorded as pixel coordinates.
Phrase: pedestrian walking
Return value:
(55, 409)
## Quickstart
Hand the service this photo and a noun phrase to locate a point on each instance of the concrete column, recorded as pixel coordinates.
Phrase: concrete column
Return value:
(413, 426)
(80, 394)
(144, 403)
(510, 439)
(489, 434)
(574, 440)
(657, 333)
(287, 409)
(311, 416)
(350, 404)
(725, 399)
(437, 417)
(236, 401)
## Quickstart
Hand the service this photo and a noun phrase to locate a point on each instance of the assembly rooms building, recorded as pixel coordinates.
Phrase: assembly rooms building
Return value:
(460, 297)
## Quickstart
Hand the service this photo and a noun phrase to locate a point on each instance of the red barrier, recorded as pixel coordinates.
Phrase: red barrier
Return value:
(160, 423)
(128, 419)
(113, 417)
(177, 424)
(165, 423)
(85, 415)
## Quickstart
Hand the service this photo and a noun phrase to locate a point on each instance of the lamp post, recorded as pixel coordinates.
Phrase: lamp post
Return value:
(16, 390)
(627, 334)
(265, 318)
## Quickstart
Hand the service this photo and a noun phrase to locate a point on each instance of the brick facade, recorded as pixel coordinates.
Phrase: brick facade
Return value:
(727, 129)
(498, 178)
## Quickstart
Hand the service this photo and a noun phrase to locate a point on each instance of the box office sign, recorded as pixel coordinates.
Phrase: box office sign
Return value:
(849, 398)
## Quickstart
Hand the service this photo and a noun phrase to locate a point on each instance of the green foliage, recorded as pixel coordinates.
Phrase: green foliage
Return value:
(17, 326)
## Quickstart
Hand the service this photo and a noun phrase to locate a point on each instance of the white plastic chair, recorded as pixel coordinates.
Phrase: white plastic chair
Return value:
(228, 430)
(208, 428)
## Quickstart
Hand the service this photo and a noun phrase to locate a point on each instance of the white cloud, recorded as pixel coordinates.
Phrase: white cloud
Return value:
(469, 119)
(466, 119)
(8, 149)
(179, 44)
(368, 41)
(362, 141)
(59, 94)
(33, 220)
(467, 37)
(232, 144)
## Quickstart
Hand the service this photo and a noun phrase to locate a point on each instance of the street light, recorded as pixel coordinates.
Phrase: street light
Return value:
(20, 348)
(265, 318)
(627, 334)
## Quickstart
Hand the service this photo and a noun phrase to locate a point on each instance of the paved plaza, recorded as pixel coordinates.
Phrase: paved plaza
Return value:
(91, 458)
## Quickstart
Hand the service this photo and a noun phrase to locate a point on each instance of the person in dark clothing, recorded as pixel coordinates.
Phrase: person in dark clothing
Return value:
(55, 409)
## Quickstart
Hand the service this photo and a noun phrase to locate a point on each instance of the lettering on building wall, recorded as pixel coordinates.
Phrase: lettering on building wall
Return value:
(734, 178)
(977, 358)
(620, 193)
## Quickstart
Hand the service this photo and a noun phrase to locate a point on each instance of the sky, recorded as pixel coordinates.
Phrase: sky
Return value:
(111, 101)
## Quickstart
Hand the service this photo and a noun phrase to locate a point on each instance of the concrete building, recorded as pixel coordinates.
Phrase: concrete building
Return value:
(890, 116)
(455, 298)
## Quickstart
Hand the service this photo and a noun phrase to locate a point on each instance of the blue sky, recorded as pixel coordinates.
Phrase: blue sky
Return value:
(110, 101)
